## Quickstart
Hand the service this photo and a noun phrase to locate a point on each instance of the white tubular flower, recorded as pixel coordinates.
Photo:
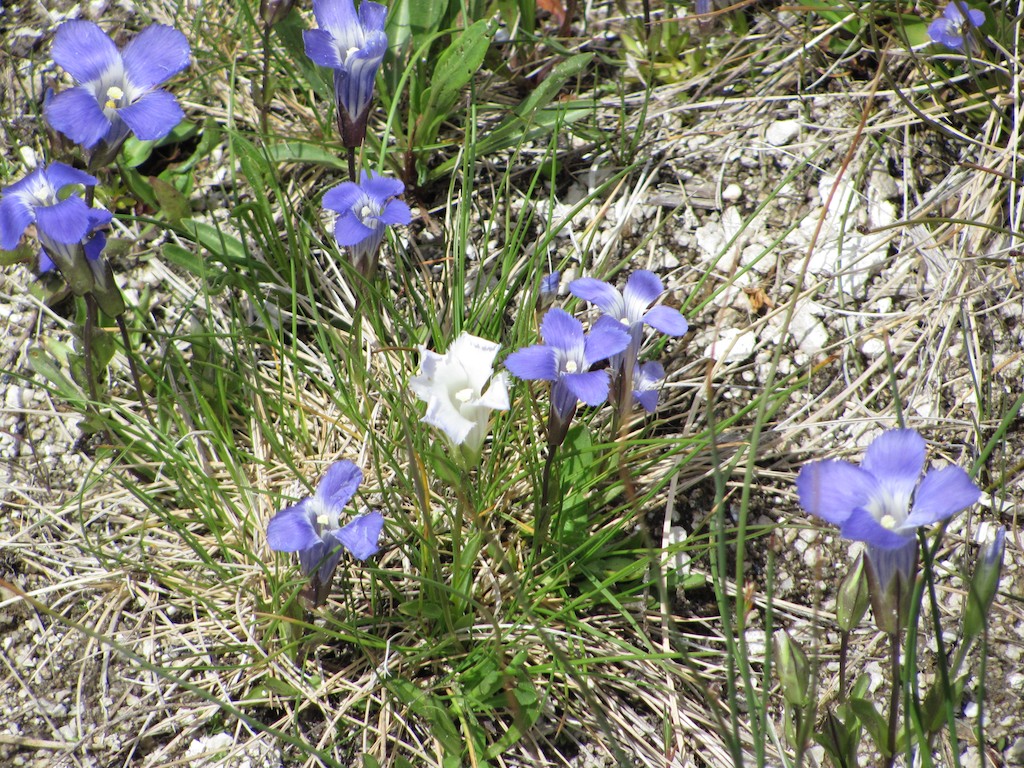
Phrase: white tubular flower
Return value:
(461, 389)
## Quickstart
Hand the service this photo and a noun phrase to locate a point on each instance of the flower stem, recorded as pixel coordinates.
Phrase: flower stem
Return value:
(126, 340)
(264, 102)
(894, 696)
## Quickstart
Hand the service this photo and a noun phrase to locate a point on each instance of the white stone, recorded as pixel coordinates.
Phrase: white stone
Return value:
(782, 132)
(731, 346)
(732, 193)
(872, 346)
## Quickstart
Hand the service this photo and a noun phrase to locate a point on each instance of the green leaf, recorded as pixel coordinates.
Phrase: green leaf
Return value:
(171, 203)
(46, 367)
(307, 154)
(455, 68)
(876, 725)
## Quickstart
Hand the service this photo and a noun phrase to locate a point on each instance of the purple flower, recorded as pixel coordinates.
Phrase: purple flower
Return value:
(885, 500)
(647, 380)
(953, 27)
(62, 222)
(313, 526)
(632, 308)
(116, 92)
(364, 210)
(565, 359)
(353, 45)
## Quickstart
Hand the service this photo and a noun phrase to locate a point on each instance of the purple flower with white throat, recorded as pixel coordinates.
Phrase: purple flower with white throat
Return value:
(461, 389)
(115, 91)
(565, 359)
(885, 500)
(353, 45)
(954, 26)
(364, 210)
(47, 198)
(313, 527)
(632, 308)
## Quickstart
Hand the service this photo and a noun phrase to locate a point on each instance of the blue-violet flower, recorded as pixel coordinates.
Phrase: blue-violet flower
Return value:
(565, 359)
(365, 209)
(116, 91)
(632, 308)
(953, 27)
(63, 221)
(647, 379)
(353, 45)
(313, 526)
(885, 500)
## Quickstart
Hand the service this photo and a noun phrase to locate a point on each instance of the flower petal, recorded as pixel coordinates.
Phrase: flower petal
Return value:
(337, 16)
(607, 337)
(381, 188)
(15, 216)
(66, 222)
(600, 294)
(361, 537)
(84, 50)
(60, 175)
(156, 54)
(591, 386)
(291, 530)
(669, 321)
(537, 362)
(642, 289)
(321, 48)
(153, 116)
(442, 413)
(833, 489)
(372, 16)
(76, 113)
(495, 397)
(339, 483)
(862, 526)
(562, 330)
(394, 213)
(349, 230)
(896, 457)
(942, 493)
(342, 198)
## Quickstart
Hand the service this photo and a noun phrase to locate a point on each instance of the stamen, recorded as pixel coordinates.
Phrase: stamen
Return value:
(114, 96)
(464, 395)
(888, 522)
(571, 366)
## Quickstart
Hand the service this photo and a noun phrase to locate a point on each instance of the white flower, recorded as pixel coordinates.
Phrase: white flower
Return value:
(461, 389)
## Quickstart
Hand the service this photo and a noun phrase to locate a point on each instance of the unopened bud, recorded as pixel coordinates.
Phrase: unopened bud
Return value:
(984, 584)
(273, 11)
(852, 600)
(793, 670)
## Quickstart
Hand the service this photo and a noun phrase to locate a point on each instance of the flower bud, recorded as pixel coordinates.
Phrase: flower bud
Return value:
(984, 584)
(852, 600)
(793, 670)
(273, 11)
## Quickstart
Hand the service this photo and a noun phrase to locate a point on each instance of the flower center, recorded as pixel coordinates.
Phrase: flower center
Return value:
(888, 522)
(114, 96)
(464, 395)
(571, 366)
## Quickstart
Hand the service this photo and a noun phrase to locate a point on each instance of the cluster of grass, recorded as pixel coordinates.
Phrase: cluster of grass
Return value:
(265, 357)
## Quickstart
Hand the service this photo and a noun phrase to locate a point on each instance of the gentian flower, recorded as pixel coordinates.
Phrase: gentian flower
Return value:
(115, 92)
(353, 45)
(313, 527)
(461, 389)
(632, 308)
(953, 27)
(364, 210)
(565, 359)
(647, 380)
(62, 224)
(883, 502)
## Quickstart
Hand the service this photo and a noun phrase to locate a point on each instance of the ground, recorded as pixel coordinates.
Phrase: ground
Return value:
(845, 250)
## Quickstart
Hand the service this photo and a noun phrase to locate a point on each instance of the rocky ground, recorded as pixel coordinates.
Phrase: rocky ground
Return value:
(806, 229)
